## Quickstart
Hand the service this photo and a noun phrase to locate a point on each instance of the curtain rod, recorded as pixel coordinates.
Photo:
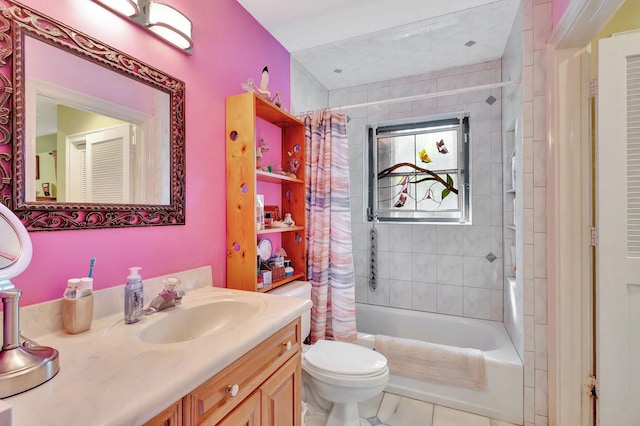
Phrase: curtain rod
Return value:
(426, 95)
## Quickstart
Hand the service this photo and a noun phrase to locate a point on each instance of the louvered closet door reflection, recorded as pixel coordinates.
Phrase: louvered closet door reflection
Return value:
(107, 165)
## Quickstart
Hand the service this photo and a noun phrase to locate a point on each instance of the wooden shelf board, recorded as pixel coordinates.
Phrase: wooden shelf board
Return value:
(269, 111)
(280, 230)
(283, 281)
(275, 178)
(511, 191)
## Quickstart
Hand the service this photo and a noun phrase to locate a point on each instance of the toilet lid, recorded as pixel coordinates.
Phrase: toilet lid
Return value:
(344, 358)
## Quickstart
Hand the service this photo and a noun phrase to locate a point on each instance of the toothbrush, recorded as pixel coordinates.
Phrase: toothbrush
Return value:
(92, 263)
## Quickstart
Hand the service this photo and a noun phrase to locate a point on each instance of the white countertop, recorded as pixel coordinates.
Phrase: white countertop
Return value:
(108, 376)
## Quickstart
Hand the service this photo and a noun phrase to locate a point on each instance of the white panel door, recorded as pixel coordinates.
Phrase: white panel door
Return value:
(618, 217)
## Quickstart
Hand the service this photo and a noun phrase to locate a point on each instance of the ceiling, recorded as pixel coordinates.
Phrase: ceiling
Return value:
(346, 44)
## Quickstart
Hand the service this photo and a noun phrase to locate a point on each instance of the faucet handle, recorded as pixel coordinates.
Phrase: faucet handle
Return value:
(170, 284)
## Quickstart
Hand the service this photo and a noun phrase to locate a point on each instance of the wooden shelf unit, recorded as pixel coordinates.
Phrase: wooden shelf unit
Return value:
(242, 183)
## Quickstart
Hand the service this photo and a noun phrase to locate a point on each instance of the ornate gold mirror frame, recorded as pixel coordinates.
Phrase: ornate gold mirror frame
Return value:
(18, 21)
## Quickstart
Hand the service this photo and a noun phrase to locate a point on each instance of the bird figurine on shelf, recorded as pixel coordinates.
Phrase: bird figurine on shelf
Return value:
(263, 89)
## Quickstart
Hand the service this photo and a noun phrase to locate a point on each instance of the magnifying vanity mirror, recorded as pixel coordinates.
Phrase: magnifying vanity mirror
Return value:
(22, 366)
(90, 137)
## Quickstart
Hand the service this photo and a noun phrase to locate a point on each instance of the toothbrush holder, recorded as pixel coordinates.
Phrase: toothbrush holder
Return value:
(77, 314)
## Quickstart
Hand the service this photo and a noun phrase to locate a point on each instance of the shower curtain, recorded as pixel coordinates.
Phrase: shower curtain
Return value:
(330, 257)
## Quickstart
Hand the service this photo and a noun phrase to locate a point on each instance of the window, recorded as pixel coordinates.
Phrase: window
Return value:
(419, 171)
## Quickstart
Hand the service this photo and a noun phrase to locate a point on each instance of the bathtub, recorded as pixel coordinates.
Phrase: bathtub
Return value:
(502, 398)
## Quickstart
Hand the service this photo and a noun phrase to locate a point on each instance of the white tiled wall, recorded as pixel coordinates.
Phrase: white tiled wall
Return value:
(535, 279)
(524, 60)
(436, 268)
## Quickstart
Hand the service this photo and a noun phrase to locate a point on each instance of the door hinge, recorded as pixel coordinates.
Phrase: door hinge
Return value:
(593, 88)
(594, 237)
(592, 386)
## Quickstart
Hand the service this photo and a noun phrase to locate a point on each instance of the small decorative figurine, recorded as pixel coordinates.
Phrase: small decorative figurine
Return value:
(262, 147)
(259, 158)
(285, 223)
(288, 220)
(263, 88)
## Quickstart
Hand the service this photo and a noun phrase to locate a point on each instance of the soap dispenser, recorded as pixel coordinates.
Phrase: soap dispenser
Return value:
(133, 299)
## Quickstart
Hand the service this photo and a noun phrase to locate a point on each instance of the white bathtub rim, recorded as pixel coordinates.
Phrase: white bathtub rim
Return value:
(504, 350)
(496, 330)
(504, 371)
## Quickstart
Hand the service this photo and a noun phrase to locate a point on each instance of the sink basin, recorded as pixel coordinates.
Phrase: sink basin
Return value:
(182, 324)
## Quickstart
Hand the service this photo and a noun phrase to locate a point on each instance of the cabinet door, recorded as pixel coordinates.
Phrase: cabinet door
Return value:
(281, 396)
(245, 414)
(172, 416)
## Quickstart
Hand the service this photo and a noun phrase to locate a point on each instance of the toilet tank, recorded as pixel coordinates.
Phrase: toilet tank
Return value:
(301, 289)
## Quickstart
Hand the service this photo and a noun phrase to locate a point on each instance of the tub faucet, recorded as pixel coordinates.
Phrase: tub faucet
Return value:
(167, 298)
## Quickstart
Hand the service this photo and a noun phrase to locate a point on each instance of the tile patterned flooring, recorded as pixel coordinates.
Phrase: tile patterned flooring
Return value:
(388, 409)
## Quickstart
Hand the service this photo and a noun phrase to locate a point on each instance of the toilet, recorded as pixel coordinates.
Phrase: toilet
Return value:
(336, 375)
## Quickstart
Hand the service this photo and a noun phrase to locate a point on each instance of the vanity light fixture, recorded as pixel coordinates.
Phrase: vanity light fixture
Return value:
(129, 8)
(170, 24)
(165, 21)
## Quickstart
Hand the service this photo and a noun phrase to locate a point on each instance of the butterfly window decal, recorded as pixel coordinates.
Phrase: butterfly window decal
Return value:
(441, 148)
(424, 157)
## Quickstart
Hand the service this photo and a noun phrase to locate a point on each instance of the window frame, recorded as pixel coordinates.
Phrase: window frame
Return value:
(413, 126)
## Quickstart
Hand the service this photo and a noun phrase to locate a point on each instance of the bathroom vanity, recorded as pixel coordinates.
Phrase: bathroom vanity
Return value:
(237, 360)
(260, 388)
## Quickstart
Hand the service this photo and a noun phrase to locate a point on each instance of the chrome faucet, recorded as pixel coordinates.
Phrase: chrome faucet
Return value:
(167, 298)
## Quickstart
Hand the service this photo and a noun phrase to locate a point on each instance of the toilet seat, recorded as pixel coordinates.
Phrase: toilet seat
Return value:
(345, 364)
(343, 358)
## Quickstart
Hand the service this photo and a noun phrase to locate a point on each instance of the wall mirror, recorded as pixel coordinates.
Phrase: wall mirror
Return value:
(90, 137)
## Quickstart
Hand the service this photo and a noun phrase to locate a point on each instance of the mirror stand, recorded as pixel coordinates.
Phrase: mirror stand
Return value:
(26, 366)
(22, 366)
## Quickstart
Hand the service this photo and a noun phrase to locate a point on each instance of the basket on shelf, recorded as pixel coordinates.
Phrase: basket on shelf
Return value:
(277, 273)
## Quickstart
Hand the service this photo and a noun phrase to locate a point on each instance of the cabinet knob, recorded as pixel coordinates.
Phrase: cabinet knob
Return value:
(233, 389)
(287, 345)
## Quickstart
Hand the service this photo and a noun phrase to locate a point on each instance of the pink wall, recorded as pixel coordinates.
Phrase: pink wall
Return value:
(229, 47)
(559, 6)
